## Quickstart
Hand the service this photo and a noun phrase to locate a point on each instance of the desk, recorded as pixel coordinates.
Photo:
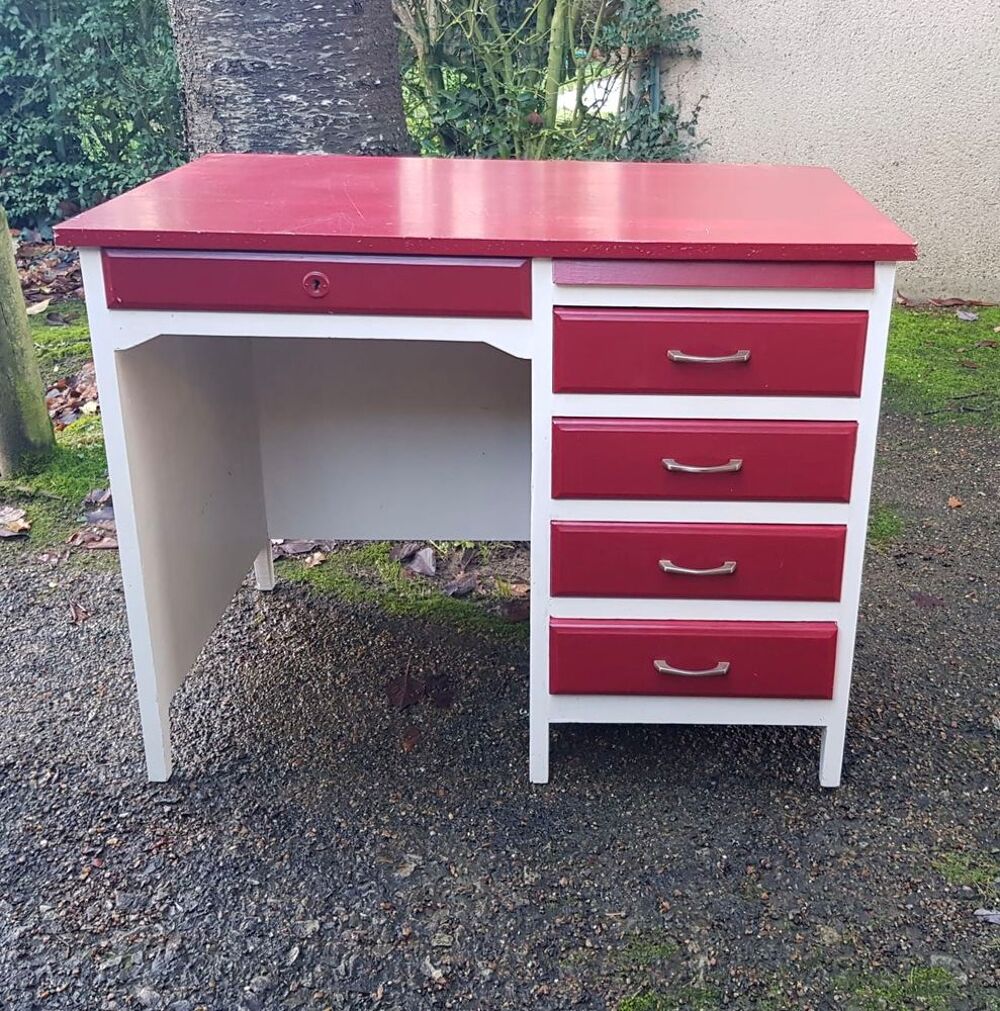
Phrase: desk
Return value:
(666, 376)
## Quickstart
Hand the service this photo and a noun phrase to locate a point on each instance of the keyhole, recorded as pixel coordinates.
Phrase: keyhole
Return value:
(316, 284)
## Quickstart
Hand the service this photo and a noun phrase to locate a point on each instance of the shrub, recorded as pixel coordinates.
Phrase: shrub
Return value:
(88, 102)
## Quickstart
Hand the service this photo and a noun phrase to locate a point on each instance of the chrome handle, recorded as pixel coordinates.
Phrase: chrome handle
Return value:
(662, 667)
(688, 468)
(680, 356)
(725, 569)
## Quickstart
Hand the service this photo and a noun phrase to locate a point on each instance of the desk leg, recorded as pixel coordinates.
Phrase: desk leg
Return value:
(263, 569)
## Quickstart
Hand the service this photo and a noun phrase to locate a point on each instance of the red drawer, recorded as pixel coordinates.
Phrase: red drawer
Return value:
(781, 461)
(657, 350)
(754, 659)
(289, 282)
(724, 561)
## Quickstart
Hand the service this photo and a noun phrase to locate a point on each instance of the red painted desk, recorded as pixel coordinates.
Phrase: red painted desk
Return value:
(667, 376)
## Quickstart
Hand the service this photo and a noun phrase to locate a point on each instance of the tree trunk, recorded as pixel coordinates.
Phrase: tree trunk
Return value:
(25, 429)
(290, 75)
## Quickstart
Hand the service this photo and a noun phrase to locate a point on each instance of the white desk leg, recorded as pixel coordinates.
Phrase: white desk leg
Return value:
(263, 569)
(831, 754)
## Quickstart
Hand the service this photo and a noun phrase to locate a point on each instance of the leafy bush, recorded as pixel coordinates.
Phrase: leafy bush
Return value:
(545, 78)
(88, 101)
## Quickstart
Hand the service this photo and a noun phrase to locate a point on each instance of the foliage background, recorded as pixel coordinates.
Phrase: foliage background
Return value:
(89, 102)
(89, 90)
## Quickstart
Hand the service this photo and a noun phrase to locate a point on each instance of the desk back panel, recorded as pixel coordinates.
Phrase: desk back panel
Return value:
(375, 440)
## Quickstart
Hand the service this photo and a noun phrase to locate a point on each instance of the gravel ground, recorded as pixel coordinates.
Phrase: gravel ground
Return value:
(302, 857)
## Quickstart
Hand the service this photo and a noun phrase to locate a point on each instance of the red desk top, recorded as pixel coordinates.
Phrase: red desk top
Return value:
(451, 207)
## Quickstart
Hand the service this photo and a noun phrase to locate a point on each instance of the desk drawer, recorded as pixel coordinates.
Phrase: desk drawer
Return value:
(778, 461)
(705, 561)
(747, 659)
(709, 351)
(288, 282)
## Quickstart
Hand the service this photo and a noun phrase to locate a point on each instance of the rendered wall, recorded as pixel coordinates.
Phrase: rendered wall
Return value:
(901, 98)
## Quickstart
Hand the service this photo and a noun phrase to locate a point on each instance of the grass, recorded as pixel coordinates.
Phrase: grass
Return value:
(885, 526)
(944, 367)
(973, 869)
(922, 989)
(367, 574)
(682, 998)
(644, 950)
(61, 350)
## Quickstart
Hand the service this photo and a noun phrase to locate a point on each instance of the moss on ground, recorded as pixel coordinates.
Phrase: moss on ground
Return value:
(681, 998)
(940, 365)
(924, 988)
(367, 574)
(972, 868)
(61, 350)
(885, 526)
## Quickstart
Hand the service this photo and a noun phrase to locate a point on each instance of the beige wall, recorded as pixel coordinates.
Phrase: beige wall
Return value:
(901, 97)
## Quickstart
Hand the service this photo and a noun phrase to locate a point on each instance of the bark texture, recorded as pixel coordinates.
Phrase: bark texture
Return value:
(25, 429)
(290, 75)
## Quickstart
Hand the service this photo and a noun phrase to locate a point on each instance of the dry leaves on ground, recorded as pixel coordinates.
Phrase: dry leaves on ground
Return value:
(47, 271)
(13, 522)
(954, 502)
(71, 398)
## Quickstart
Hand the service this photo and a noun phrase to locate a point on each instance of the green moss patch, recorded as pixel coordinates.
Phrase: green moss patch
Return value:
(683, 998)
(885, 526)
(971, 868)
(922, 989)
(943, 366)
(367, 574)
(61, 349)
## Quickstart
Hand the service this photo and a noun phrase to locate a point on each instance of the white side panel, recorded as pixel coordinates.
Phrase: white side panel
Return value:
(191, 445)
(391, 439)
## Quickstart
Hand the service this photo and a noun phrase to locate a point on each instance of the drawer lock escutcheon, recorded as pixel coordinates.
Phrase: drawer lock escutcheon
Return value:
(662, 667)
(725, 569)
(680, 356)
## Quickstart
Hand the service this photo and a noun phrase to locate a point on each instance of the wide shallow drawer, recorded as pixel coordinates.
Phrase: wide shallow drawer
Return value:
(712, 561)
(740, 659)
(720, 351)
(638, 458)
(288, 282)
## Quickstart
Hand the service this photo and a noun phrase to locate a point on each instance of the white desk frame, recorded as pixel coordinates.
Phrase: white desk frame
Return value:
(204, 420)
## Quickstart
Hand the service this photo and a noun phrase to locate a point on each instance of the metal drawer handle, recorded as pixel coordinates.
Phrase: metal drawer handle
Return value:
(662, 667)
(725, 569)
(688, 468)
(679, 356)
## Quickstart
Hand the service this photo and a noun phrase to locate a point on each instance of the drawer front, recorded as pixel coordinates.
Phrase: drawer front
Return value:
(778, 461)
(705, 351)
(286, 282)
(710, 561)
(715, 274)
(748, 659)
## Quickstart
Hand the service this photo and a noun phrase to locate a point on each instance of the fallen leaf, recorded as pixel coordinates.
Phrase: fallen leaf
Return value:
(988, 343)
(77, 613)
(461, 586)
(516, 610)
(404, 690)
(292, 549)
(423, 563)
(996, 329)
(410, 737)
(13, 522)
(954, 502)
(968, 363)
(440, 691)
(314, 559)
(57, 319)
(38, 307)
(988, 915)
(967, 317)
(902, 299)
(926, 600)
(97, 497)
(93, 539)
(405, 551)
